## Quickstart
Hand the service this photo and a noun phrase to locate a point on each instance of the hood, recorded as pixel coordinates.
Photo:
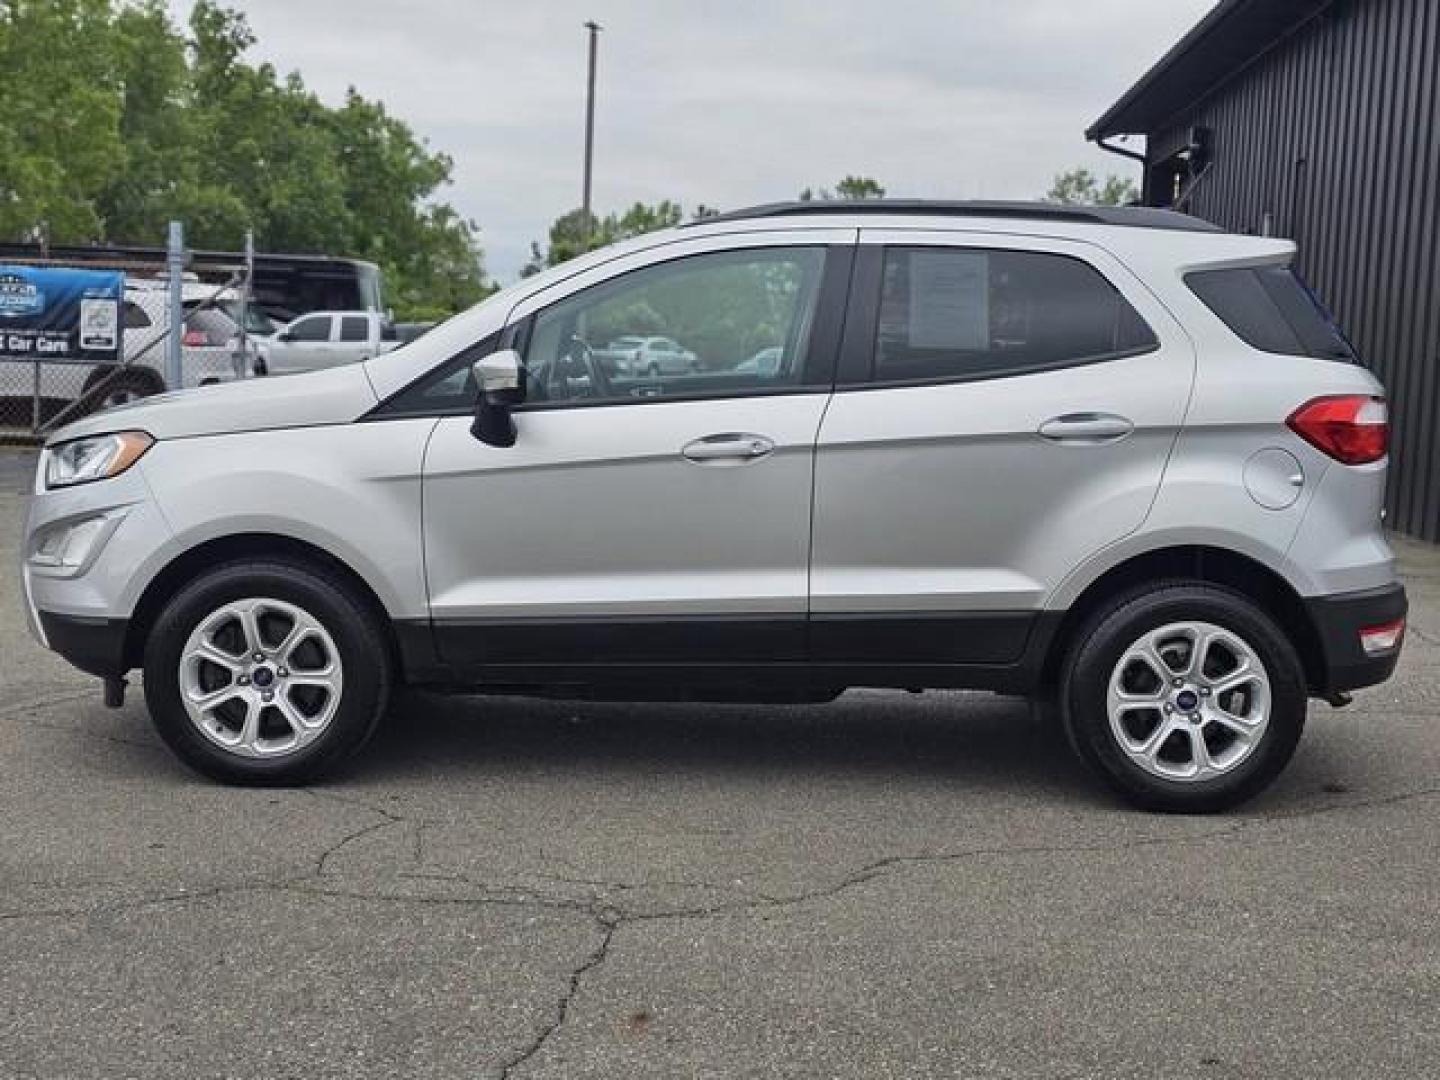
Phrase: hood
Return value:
(336, 396)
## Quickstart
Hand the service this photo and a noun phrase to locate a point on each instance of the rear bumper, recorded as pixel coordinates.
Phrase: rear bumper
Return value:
(93, 645)
(1338, 621)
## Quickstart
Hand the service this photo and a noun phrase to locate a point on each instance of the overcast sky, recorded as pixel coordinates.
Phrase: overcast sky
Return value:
(728, 103)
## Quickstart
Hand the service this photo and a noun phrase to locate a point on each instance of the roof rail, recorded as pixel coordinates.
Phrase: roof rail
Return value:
(1144, 217)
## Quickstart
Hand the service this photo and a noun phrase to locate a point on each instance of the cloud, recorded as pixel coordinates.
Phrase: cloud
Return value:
(728, 103)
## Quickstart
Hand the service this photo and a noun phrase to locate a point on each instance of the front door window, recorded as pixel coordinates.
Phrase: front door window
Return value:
(727, 324)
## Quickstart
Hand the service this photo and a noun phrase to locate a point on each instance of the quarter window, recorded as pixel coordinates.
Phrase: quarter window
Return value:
(700, 326)
(1270, 309)
(951, 313)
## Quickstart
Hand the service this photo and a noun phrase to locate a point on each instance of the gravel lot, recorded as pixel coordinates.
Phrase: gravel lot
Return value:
(888, 886)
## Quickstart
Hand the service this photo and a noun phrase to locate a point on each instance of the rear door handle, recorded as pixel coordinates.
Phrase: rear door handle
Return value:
(732, 446)
(1088, 428)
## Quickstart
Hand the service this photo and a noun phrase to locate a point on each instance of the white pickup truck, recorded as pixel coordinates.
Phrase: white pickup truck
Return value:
(324, 339)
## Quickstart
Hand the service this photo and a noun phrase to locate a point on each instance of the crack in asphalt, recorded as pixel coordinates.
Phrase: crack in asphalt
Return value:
(282, 883)
(562, 1006)
(611, 919)
(415, 825)
(183, 896)
(314, 882)
(323, 880)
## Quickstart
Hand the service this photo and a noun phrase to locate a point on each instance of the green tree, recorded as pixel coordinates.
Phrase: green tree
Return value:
(59, 128)
(165, 174)
(572, 234)
(852, 187)
(1079, 187)
(117, 121)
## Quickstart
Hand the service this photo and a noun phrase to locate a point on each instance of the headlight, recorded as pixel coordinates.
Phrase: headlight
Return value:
(97, 457)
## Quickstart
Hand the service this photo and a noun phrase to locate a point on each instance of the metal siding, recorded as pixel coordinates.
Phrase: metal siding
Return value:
(1335, 133)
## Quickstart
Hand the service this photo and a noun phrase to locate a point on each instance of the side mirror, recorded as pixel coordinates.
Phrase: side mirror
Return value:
(501, 378)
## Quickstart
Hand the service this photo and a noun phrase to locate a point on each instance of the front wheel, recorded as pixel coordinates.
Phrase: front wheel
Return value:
(1184, 697)
(266, 673)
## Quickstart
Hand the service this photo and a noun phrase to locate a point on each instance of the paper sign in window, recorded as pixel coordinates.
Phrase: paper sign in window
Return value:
(950, 300)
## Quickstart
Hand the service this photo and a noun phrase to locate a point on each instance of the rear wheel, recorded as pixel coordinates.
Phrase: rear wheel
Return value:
(1184, 697)
(266, 673)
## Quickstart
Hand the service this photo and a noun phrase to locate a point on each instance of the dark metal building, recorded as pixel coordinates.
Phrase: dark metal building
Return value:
(1317, 120)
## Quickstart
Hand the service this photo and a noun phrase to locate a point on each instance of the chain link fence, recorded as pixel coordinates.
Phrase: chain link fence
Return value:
(38, 396)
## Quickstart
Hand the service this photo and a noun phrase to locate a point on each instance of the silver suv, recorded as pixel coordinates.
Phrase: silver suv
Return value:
(1111, 459)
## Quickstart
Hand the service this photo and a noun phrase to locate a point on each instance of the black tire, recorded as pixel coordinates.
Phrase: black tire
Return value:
(356, 631)
(1103, 641)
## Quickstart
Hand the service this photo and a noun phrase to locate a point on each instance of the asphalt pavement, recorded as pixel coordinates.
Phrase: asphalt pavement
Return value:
(887, 886)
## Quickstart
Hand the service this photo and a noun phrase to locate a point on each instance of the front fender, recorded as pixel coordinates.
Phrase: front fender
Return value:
(352, 490)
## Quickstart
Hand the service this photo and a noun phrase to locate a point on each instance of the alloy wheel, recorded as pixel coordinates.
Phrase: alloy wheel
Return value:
(261, 677)
(1189, 701)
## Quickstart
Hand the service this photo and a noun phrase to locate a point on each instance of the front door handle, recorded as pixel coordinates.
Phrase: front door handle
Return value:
(1087, 428)
(733, 446)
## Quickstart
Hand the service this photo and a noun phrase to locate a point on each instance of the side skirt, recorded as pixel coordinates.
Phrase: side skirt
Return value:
(751, 658)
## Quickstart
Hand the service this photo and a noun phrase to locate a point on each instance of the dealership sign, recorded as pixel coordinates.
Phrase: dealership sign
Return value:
(54, 314)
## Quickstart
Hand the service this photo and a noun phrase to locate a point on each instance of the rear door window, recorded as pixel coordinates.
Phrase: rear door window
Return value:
(1270, 309)
(354, 328)
(315, 328)
(974, 313)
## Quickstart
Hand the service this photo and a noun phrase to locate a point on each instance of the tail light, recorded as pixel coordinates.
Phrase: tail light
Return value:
(1354, 429)
(194, 339)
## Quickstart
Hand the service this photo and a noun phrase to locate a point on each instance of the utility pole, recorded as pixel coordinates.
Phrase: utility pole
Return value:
(594, 29)
(246, 292)
(175, 263)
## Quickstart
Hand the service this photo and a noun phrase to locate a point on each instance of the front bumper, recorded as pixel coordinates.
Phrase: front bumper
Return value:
(81, 595)
(1338, 621)
(94, 645)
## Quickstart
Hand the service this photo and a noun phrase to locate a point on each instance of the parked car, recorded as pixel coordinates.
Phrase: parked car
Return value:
(325, 339)
(636, 355)
(210, 348)
(1113, 459)
(765, 362)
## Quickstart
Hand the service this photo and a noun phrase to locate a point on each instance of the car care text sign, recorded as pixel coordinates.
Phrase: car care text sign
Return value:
(47, 313)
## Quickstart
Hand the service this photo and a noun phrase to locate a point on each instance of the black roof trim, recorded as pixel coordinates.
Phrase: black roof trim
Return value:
(1142, 217)
(1225, 41)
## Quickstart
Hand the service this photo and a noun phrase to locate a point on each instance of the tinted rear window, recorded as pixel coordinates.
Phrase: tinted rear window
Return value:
(1270, 309)
(960, 313)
